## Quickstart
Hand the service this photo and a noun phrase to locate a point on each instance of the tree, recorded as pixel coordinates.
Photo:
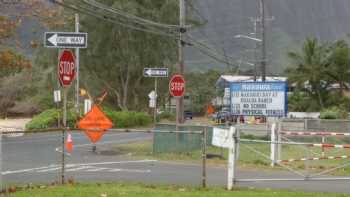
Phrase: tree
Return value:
(201, 88)
(309, 70)
(338, 68)
(117, 55)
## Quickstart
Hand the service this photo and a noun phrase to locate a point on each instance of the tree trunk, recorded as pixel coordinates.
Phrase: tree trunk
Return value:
(320, 98)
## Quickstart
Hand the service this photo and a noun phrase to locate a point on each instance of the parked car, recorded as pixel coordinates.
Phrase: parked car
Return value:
(188, 115)
(221, 116)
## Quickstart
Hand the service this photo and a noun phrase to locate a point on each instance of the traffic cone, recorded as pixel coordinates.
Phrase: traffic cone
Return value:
(69, 143)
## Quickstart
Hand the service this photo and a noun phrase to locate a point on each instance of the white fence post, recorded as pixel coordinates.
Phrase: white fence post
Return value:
(279, 140)
(273, 145)
(231, 160)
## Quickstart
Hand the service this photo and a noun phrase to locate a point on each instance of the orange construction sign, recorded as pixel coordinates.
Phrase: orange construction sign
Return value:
(95, 123)
(210, 109)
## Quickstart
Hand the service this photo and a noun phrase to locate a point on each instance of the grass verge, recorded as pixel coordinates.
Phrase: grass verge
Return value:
(247, 158)
(138, 190)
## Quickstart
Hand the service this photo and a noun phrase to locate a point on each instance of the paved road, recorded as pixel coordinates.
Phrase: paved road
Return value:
(35, 158)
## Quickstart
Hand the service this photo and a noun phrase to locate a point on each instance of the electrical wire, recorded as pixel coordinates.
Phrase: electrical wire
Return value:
(145, 26)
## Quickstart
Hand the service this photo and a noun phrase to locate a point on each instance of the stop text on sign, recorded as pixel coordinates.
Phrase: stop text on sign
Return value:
(177, 86)
(66, 68)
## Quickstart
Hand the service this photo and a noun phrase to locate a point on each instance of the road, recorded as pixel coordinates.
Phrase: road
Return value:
(35, 158)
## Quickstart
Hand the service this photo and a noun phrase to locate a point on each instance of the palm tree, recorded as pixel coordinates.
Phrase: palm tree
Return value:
(308, 72)
(339, 64)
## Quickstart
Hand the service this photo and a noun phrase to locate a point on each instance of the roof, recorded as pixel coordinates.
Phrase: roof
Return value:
(241, 78)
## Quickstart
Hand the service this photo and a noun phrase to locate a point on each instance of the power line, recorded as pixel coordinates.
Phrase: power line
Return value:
(93, 8)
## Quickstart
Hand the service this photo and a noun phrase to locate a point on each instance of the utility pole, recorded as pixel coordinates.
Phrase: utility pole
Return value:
(181, 44)
(255, 21)
(77, 67)
(263, 38)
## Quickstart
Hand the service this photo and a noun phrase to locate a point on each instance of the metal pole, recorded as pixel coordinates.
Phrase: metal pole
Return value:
(77, 67)
(263, 43)
(181, 44)
(204, 158)
(256, 48)
(279, 141)
(155, 101)
(323, 141)
(64, 130)
(58, 115)
(307, 163)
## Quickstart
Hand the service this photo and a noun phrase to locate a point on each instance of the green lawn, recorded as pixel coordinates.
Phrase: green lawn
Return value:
(133, 190)
(247, 158)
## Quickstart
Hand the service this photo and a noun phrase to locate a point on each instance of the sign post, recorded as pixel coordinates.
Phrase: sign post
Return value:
(66, 75)
(177, 90)
(227, 138)
(155, 72)
(77, 55)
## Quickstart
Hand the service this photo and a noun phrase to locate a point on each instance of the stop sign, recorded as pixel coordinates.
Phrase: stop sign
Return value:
(66, 68)
(177, 86)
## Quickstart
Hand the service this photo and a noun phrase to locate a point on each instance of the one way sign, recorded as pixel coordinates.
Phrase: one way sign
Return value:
(65, 40)
(155, 72)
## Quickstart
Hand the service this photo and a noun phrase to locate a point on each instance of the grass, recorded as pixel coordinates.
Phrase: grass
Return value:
(247, 158)
(138, 190)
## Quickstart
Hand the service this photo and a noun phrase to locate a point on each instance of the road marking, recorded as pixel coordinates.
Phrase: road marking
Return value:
(26, 170)
(49, 170)
(96, 169)
(131, 170)
(79, 168)
(116, 162)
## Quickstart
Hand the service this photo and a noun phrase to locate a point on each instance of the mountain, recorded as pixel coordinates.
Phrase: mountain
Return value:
(293, 21)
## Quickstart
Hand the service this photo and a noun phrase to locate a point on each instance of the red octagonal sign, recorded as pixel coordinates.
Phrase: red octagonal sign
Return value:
(66, 68)
(177, 86)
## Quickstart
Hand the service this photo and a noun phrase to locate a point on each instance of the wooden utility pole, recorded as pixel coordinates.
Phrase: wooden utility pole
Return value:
(181, 44)
(263, 39)
(77, 107)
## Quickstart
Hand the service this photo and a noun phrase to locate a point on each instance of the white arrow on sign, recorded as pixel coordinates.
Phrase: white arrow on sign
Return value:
(149, 72)
(55, 39)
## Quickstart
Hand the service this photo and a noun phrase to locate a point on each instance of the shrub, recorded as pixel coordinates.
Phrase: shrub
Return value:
(167, 115)
(121, 119)
(124, 119)
(334, 113)
(48, 119)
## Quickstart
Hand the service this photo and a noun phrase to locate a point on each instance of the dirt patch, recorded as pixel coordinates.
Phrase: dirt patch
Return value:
(18, 123)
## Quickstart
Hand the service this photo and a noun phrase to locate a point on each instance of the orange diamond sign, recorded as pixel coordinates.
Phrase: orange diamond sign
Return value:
(95, 123)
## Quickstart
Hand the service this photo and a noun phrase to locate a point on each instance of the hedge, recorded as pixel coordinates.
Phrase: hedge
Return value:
(120, 119)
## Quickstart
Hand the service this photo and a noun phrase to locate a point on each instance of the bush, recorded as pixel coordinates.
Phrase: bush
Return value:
(121, 119)
(48, 119)
(167, 115)
(334, 113)
(125, 119)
